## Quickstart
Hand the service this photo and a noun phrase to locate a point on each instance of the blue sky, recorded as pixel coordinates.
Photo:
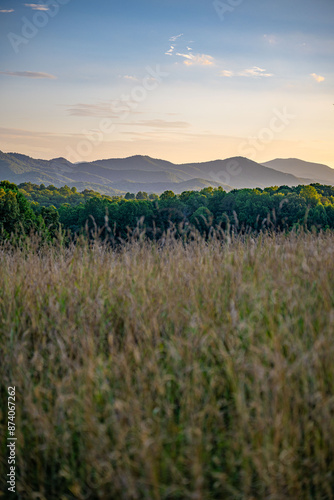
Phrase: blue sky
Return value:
(179, 80)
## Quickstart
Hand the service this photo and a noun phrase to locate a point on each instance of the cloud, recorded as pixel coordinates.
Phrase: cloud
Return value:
(185, 51)
(130, 77)
(226, 73)
(170, 51)
(318, 78)
(36, 6)
(104, 109)
(187, 56)
(174, 38)
(28, 74)
(161, 124)
(19, 133)
(255, 72)
(197, 59)
(4, 11)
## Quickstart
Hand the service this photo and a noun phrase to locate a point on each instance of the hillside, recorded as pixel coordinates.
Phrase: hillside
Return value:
(299, 168)
(116, 176)
(241, 172)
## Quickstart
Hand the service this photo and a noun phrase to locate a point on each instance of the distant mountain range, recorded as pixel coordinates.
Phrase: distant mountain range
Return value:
(299, 168)
(141, 173)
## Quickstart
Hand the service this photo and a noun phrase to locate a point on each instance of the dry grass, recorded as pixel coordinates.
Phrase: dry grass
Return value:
(199, 371)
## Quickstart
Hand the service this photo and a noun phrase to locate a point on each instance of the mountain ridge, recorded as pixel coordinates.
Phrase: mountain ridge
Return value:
(144, 173)
(295, 166)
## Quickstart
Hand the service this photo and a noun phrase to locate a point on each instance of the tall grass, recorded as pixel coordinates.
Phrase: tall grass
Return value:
(171, 371)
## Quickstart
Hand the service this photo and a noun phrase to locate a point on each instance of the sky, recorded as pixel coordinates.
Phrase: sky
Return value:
(180, 80)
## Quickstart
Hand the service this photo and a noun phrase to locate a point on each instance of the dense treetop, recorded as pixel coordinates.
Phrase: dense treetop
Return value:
(36, 207)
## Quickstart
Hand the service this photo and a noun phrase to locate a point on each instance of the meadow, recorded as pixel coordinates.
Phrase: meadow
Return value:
(170, 370)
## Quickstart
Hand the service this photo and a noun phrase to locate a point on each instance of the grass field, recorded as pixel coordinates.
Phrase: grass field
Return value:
(197, 371)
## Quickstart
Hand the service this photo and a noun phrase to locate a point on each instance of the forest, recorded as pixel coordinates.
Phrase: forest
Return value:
(31, 207)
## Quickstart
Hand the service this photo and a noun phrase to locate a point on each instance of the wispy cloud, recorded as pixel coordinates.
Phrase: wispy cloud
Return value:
(104, 109)
(36, 6)
(18, 133)
(175, 41)
(197, 59)
(186, 56)
(254, 72)
(28, 74)
(6, 11)
(226, 73)
(170, 51)
(184, 50)
(161, 124)
(174, 38)
(318, 78)
(129, 77)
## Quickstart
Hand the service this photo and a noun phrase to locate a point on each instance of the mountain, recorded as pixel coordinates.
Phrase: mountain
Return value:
(116, 176)
(160, 187)
(315, 171)
(241, 172)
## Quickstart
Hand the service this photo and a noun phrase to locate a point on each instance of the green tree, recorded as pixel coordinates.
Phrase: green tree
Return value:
(166, 195)
(141, 195)
(130, 196)
(310, 194)
(130, 213)
(16, 213)
(51, 219)
(202, 219)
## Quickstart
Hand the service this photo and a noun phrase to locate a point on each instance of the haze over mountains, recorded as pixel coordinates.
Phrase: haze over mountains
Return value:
(117, 176)
(316, 171)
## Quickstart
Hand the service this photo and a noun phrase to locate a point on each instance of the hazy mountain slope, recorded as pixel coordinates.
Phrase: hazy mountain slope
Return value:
(137, 175)
(160, 187)
(102, 189)
(317, 172)
(19, 168)
(241, 172)
(145, 164)
(138, 162)
(237, 172)
(142, 173)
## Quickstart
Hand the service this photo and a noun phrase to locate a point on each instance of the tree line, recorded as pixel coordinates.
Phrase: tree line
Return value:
(31, 207)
